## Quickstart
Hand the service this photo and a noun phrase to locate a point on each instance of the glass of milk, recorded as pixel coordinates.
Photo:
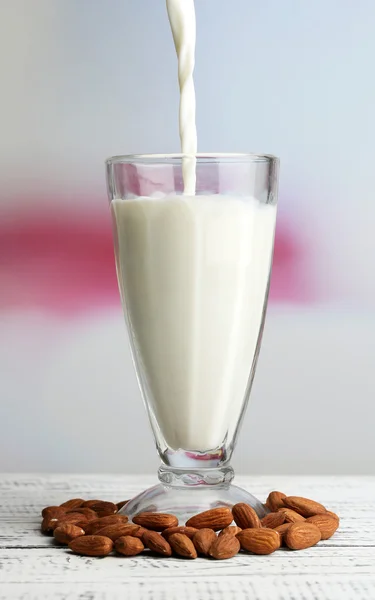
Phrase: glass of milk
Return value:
(193, 273)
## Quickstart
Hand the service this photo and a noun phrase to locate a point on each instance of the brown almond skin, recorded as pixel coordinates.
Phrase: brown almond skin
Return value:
(90, 503)
(104, 509)
(291, 516)
(94, 526)
(48, 525)
(302, 535)
(73, 503)
(53, 511)
(156, 543)
(182, 545)
(121, 504)
(129, 546)
(245, 516)
(140, 532)
(326, 524)
(225, 546)
(259, 541)
(281, 530)
(73, 518)
(304, 506)
(114, 531)
(131, 530)
(66, 533)
(155, 521)
(275, 501)
(230, 530)
(87, 513)
(189, 531)
(91, 545)
(203, 540)
(215, 518)
(332, 514)
(273, 520)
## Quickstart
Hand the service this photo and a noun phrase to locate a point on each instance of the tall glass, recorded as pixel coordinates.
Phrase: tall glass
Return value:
(194, 274)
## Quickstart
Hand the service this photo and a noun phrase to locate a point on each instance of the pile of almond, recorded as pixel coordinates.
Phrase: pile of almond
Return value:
(94, 528)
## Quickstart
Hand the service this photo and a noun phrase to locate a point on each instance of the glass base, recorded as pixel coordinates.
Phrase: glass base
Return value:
(186, 493)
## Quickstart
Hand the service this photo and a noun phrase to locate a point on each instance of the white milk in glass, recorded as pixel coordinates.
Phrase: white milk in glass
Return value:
(193, 273)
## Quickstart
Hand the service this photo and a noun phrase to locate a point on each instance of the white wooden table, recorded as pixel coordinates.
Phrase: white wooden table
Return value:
(32, 567)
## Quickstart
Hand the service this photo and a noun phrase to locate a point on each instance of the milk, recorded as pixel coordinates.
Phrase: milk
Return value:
(193, 273)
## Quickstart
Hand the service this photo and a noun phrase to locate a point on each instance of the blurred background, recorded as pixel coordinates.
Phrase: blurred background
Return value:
(81, 81)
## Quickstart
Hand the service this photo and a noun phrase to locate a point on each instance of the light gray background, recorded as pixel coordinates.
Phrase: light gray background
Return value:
(84, 80)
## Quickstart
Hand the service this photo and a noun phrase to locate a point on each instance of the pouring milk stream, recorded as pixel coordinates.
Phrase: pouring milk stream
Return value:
(193, 273)
(181, 15)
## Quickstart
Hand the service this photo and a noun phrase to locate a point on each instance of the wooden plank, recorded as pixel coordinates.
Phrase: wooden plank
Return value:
(18, 491)
(299, 587)
(59, 564)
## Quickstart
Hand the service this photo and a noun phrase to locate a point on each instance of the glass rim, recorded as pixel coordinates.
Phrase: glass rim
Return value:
(202, 157)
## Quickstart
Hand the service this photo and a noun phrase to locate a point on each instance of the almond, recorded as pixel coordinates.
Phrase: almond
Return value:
(113, 531)
(91, 545)
(139, 533)
(48, 525)
(155, 521)
(129, 546)
(326, 524)
(94, 526)
(225, 546)
(302, 535)
(281, 530)
(215, 518)
(66, 533)
(332, 514)
(203, 540)
(275, 501)
(90, 503)
(273, 520)
(259, 541)
(304, 506)
(86, 513)
(131, 530)
(53, 511)
(121, 504)
(182, 545)
(103, 508)
(291, 516)
(230, 530)
(73, 503)
(73, 518)
(189, 531)
(245, 516)
(156, 543)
